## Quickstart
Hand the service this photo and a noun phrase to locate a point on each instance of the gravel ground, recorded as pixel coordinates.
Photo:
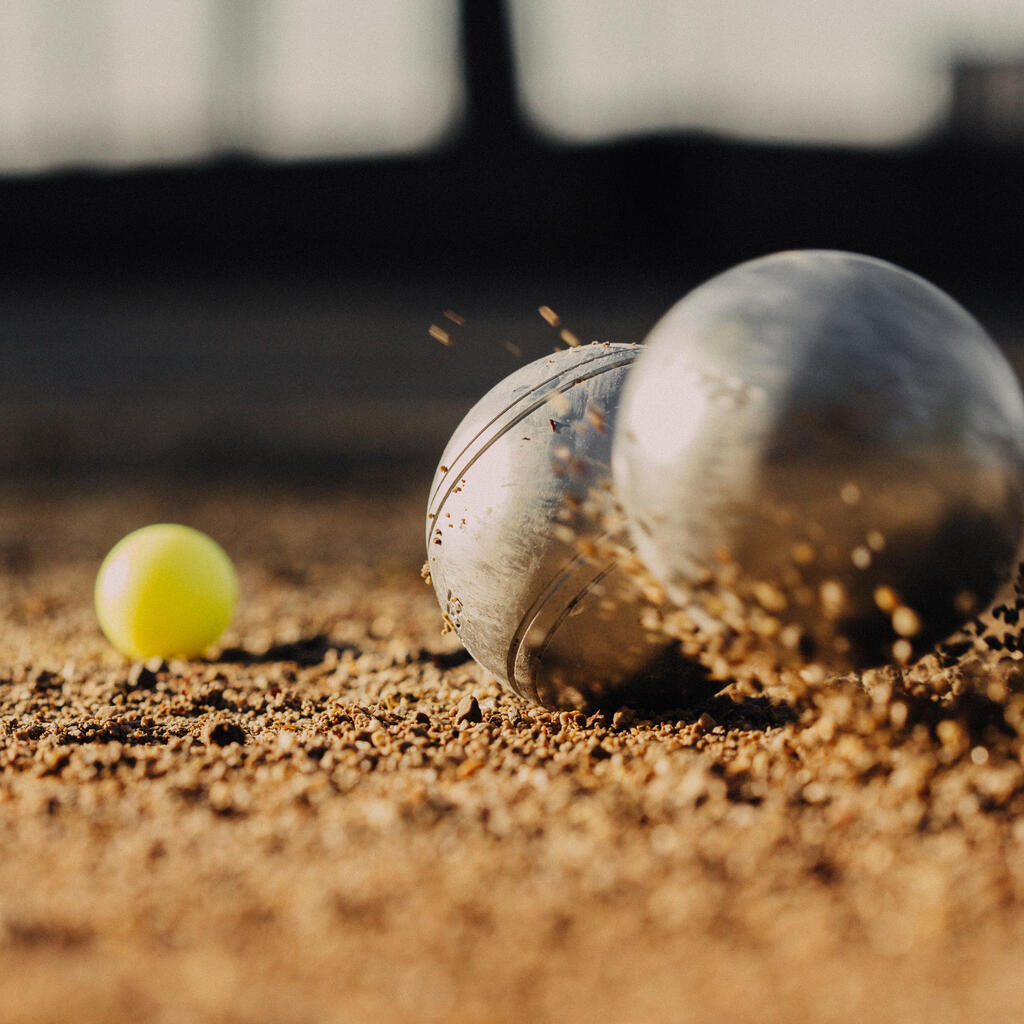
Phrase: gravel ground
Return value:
(337, 817)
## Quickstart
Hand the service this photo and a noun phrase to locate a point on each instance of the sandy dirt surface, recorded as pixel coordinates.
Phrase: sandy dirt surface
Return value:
(337, 818)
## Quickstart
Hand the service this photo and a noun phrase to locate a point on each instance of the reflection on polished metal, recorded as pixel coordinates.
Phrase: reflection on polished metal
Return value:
(515, 506)
(839, 435)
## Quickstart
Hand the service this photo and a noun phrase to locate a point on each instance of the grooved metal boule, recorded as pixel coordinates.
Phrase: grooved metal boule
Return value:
(515, 528)
(843, 437)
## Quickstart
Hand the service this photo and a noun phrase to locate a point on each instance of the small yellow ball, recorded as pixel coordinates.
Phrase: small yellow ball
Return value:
(165, 590)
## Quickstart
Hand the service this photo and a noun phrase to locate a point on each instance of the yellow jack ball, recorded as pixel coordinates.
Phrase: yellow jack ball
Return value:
(165, 590)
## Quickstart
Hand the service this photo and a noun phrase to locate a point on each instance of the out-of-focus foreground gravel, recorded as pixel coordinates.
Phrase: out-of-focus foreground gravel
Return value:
(339, 818)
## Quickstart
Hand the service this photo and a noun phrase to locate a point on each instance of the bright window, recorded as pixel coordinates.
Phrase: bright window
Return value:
(863, 72)
(141, 81)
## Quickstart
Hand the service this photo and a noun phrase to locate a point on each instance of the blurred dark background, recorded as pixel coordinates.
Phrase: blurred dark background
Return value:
(229, 225)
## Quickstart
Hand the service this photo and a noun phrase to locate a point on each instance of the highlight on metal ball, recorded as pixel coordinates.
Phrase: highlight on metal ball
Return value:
(521, 550)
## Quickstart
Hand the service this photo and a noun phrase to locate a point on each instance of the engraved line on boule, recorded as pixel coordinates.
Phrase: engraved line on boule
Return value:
(548, 382)
(567, 611)
(533, 613)
(463, 470)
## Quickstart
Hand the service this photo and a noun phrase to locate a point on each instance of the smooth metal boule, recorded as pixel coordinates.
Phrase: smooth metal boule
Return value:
(514, 524)
(836, 445)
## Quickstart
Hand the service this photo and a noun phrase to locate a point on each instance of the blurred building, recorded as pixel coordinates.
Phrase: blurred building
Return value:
(238, 218)
(116, 83)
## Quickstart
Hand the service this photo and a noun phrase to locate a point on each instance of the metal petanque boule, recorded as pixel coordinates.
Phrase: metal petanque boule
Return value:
(516, 522)
(824, 452)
